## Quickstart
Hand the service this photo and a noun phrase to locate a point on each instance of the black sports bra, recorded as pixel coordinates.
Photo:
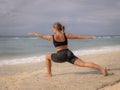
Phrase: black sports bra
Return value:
(56, 44)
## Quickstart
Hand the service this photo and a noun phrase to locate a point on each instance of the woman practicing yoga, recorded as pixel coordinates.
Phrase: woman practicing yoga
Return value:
(63, 54)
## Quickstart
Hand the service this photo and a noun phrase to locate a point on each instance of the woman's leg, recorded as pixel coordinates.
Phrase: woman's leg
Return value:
(48, 65)
(81, 63)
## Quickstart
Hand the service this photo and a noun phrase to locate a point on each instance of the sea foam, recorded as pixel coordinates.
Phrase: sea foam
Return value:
(97, 50)
(23, 60)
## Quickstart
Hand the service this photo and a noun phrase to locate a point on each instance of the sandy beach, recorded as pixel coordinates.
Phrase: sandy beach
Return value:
(65, 76)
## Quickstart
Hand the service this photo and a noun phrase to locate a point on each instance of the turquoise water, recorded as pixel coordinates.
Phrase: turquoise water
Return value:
(22, 49)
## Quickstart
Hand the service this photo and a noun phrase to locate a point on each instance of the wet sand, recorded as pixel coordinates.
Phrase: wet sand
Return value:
(65, 75)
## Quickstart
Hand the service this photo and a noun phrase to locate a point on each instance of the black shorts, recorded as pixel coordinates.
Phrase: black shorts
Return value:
(64, 56)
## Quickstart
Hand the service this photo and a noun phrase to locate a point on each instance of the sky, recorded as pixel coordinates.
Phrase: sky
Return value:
(85, 17)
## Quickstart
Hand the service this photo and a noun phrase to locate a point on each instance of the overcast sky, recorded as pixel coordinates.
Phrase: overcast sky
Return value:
(86, 17)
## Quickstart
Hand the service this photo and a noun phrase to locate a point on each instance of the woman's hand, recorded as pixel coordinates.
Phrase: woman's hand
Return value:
(33, 33)
(90, 37)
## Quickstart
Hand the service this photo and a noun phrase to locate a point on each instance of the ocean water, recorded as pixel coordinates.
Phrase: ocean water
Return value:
(25, 49)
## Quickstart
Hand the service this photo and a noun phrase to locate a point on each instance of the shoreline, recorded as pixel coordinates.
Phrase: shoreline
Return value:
(40, 58)
(30, 75)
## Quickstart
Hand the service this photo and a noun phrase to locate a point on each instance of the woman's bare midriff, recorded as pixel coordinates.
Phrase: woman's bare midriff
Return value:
(61, 48)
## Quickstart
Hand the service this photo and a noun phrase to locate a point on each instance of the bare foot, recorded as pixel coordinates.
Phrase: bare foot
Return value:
(48, 75)
(104, 72)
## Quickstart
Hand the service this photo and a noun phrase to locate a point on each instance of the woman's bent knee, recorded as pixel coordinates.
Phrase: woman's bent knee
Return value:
(48, 56)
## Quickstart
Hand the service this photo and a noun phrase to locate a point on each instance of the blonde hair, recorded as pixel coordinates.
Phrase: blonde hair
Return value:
(59, 26)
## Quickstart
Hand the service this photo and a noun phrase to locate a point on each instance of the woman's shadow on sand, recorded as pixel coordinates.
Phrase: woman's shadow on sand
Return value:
(110, 72)
(79, 73)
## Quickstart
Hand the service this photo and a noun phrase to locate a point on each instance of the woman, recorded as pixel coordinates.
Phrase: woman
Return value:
(63, 54)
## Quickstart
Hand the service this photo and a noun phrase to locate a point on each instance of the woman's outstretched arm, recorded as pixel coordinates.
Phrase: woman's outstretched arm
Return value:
(71, 36)
(47, 37)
